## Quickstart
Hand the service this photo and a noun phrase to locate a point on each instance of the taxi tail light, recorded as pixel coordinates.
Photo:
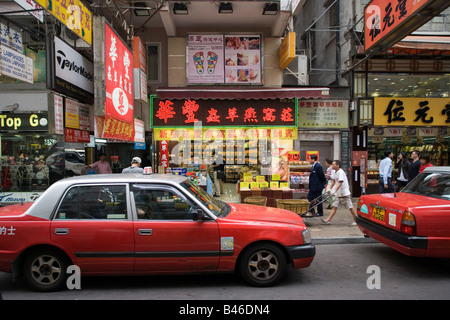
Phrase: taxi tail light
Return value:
(408, 224)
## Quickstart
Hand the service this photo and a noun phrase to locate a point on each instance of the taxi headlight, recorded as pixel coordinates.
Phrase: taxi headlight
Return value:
(306, 236)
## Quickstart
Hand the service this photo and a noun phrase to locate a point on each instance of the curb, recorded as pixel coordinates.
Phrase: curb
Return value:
(343, 240)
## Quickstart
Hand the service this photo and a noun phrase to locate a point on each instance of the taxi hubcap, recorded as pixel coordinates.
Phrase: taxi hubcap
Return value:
(263, 265)
(46, 269)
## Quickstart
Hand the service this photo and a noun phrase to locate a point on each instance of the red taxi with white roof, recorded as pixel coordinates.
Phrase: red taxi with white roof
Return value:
(415, 221)
(127, 224)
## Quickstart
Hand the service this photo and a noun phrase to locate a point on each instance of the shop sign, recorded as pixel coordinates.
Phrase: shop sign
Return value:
(323, 113)
(32, 5)
(58, 112)
(11, 37)
(77, 136)
(243, 59)
(224, 113)
(16, 65)
(72, 14)
(310, 153)
(287, 50)
(384, 17)
(206, 59)
(139, 130)
(427, 132)
(177, 134)
(400, 111)
(164, 153)
(77, 115)
(139, 55)
(118, 78)
(24, 121)
(140, 85)
(74, 73)
(116, 129)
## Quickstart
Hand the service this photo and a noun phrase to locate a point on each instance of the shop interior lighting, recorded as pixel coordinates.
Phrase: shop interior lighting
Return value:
(225, 7)
(141, 9)
(270, 9)
(180, 8)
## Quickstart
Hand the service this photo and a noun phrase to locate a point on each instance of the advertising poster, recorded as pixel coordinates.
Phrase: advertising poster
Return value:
(118, 79)
(206, 61)
(242, 59)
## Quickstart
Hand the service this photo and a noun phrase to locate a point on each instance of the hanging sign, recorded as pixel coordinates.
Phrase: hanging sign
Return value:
(119, 78)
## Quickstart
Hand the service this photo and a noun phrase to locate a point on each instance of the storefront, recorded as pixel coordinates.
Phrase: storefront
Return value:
(405, 112)
(252, 131)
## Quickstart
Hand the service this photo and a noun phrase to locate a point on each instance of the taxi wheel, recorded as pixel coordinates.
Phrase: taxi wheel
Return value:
(45, 270)
(263, 265)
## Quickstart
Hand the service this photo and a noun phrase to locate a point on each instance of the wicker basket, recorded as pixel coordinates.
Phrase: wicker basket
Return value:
(258, 201)
(295, 205)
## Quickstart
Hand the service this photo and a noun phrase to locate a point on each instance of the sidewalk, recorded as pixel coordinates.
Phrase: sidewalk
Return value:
(339, 231)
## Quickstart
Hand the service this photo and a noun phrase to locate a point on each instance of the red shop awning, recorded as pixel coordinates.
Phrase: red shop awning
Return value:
(242, 93)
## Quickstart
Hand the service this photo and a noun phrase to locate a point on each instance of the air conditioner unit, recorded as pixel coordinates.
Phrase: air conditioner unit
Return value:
(73, 39)
(296, 73)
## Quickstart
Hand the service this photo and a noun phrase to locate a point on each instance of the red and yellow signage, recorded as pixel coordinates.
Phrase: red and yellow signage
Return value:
(400, 111)
(73, 14)
(223, 113)
(224, 134)
(119, 78)
(383, 17)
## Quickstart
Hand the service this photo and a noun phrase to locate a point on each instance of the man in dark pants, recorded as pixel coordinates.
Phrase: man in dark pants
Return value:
(414, 167)
(317, 182)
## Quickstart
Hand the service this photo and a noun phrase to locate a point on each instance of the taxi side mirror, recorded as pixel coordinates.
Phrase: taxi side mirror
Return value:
(199, 215)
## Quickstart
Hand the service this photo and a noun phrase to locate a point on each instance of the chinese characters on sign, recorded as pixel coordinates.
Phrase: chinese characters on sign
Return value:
(224, 112)
(119, 123)
(323, 113)
(7, 231)
(382, 17)
(411, 111)
(206, 61)
(73, 14)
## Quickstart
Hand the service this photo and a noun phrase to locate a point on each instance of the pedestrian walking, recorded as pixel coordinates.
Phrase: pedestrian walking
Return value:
(101, 165)
(135, 166)
(340, 188)
(330, 172)
(317, 182)
(425, 162)
(403, 168)
(385, 181)
(414, 168)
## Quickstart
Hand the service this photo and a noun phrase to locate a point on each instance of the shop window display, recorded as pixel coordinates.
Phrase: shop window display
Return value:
(33, 162)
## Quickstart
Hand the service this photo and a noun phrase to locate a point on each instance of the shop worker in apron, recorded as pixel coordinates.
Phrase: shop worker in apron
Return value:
(317, 182)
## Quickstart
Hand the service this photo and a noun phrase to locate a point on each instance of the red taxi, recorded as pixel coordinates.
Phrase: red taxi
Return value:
(127, 224)
(415, 221)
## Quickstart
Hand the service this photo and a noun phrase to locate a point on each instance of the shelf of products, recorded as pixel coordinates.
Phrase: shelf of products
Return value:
(299, 175)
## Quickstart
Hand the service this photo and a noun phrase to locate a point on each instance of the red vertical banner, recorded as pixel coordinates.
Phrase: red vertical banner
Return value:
(118, 80)
(164, 154)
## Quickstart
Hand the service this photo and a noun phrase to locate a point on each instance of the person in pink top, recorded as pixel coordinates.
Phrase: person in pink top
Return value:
(102, 165)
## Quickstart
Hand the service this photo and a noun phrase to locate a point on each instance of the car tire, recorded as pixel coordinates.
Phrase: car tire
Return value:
(45, 270)
(263, 265)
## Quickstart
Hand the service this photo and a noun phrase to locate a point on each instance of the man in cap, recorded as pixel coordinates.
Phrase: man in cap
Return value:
(135, 166)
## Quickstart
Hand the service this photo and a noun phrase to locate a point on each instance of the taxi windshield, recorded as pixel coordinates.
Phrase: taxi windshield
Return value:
(217, 207)
(431, 184)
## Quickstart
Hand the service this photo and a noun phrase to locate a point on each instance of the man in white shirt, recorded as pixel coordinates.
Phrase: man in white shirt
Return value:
(385, 184)
(340, 188)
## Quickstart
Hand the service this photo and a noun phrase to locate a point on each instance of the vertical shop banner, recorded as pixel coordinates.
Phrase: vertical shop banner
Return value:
(119, 121)
(242, 59)
(59, 114)
(164, 154)
(206, 60)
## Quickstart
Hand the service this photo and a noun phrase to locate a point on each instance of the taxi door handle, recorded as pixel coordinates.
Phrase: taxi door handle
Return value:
(61, 231)
(145, 232)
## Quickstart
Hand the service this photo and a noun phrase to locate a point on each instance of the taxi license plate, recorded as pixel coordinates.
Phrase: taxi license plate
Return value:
(378, 213)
